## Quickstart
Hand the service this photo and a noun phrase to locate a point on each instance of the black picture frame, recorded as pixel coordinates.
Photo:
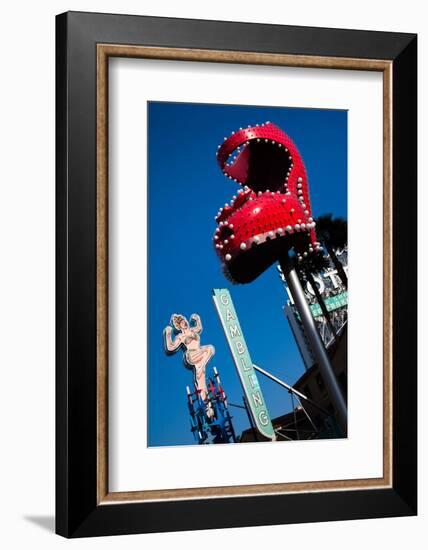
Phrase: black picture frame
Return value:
(78, 512)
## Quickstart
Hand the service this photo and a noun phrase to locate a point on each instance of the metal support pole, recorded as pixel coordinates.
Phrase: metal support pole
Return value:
(315, 342)
(307, 416)
(295, 417)
(289, 388)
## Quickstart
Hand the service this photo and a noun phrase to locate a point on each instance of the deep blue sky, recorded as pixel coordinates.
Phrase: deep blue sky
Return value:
(186, 189)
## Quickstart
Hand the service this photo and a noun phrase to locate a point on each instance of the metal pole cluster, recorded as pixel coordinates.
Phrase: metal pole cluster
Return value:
(315, 342)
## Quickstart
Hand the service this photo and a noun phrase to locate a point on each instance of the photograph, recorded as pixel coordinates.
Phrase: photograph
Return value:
(236, 264)
(213, 271)
(247, 273)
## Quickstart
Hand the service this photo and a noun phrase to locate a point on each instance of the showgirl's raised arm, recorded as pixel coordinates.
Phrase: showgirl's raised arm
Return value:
(198, 324)
(171, 345)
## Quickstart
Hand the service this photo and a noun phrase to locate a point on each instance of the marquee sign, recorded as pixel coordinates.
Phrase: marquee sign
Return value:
(332, 303)
(243, 363)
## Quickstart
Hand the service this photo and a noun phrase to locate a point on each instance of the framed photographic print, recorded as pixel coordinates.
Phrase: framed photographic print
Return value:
(236, 274)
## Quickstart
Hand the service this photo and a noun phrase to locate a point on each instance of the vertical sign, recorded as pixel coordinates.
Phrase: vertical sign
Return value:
(244, 365)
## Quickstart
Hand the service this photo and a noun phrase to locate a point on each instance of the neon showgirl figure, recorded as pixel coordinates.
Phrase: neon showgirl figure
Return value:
(196, 357)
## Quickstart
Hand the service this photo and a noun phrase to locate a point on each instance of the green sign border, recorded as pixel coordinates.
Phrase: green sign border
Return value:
(333, 302)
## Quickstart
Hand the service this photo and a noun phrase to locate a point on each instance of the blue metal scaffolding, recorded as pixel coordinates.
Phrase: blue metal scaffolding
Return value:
(217, 428)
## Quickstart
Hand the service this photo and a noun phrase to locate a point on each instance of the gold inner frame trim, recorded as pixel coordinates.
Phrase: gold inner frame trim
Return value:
(104, 52)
